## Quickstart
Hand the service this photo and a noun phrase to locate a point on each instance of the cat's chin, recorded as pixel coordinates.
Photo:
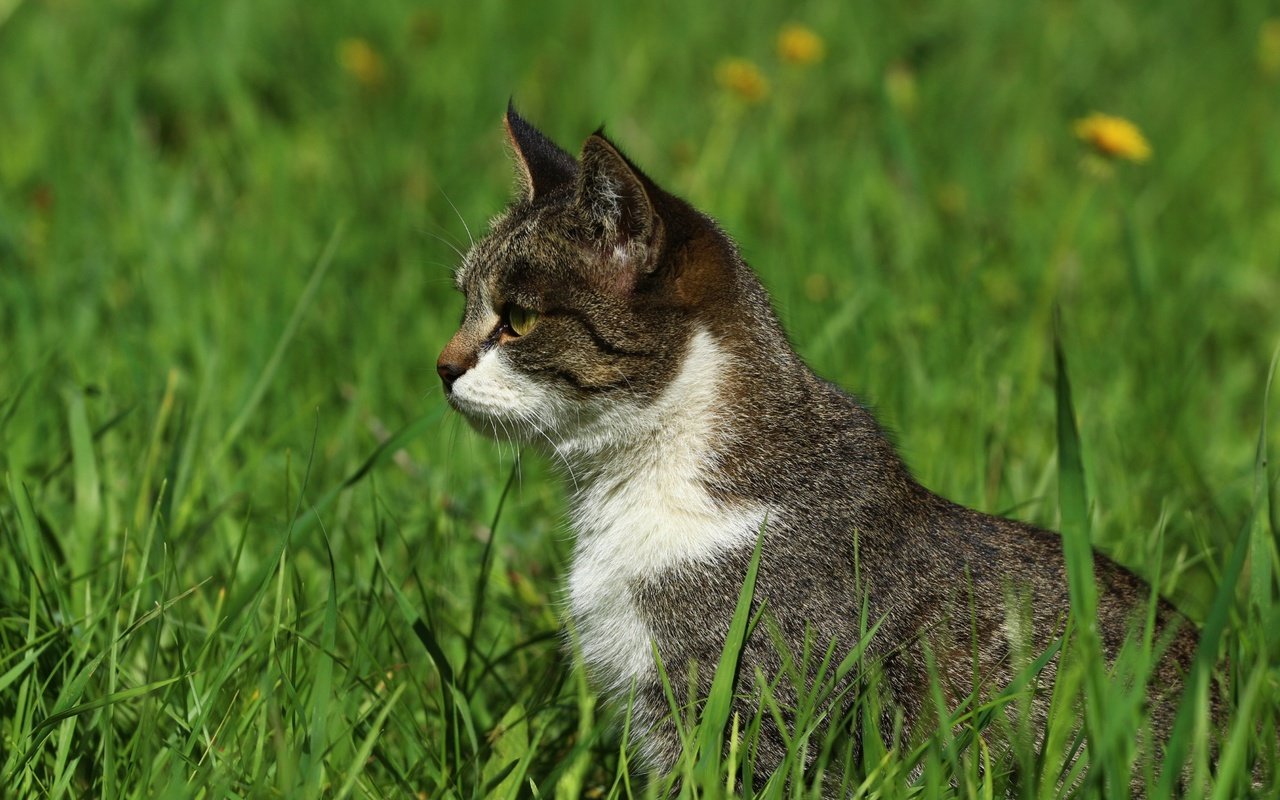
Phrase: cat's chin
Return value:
(586, 433)
(553, 444)
(502, 430)
(496, 425)
(492, 425)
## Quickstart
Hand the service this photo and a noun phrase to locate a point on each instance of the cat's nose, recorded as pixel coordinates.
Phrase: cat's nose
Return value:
(449, 372)
(458, 357)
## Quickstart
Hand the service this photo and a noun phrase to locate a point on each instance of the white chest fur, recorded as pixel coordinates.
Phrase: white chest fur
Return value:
(645, 510)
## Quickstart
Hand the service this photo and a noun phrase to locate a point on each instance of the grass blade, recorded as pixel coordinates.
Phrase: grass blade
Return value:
(1262, 541)
(482, 577)
(1189, 710)
(366, 746)
(1109, 737)
(1232, 766)
(88, 503)
(715, 715)
(317, 742)
(1074, 504)
(282, 344)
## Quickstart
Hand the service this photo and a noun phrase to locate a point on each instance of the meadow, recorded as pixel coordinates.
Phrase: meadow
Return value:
(247, 550)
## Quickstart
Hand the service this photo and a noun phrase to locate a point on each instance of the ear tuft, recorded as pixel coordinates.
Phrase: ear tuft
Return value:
(616, 200)
(614, 195)
(541, 166)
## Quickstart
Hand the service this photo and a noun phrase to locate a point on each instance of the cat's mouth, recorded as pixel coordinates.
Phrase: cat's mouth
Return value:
(499, 400)
(488, 419)
(502, 423)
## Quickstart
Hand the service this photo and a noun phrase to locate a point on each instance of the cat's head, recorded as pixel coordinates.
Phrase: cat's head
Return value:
(582, 298)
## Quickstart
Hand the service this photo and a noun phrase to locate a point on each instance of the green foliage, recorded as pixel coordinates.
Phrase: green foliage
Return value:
(245, 549)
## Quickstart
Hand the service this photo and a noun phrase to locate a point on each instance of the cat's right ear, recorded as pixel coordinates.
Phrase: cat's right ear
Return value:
(541, 166)
(614, 197)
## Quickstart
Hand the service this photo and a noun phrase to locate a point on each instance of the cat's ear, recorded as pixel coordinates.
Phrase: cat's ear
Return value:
(541, 166)
(616, 197)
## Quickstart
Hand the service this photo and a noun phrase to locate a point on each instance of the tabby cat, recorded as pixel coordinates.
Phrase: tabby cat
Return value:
(618, 328)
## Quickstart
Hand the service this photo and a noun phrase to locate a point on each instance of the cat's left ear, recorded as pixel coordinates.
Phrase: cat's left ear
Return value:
(616, 198)
(541, 166)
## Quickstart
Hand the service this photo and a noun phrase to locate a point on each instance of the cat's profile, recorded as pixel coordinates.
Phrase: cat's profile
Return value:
(615, 326)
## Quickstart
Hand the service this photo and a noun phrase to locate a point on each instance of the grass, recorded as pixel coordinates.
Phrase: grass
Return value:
(246, 551)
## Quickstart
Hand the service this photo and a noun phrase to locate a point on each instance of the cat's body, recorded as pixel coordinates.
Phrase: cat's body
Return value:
(655, 369)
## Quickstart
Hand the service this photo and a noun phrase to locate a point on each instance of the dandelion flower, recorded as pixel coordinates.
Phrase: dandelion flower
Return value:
(1114, 137)
(800, 45)
(362, 62)
(742, 78)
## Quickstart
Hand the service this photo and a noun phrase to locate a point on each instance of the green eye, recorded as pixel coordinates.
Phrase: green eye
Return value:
(521, 320)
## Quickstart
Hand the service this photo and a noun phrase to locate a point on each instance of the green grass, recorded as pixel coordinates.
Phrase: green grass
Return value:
(245, 550)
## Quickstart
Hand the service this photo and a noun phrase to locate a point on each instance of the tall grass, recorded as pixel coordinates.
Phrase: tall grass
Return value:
(245, 550)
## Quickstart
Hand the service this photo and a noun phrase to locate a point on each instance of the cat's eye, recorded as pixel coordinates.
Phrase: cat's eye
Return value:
(520, 319)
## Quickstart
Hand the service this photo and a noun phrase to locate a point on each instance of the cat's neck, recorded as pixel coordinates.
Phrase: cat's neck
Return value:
(681, 431)
(738, 387)
(643, 506)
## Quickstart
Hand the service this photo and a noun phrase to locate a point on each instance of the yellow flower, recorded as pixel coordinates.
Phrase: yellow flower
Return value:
(1114, 137)
(743, 78)
(1269, 47)
(362, 62)
(800, 45)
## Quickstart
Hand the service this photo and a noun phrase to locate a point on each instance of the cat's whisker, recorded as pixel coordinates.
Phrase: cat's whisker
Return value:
(461, 219)
(626, 379)
(451, 440)
(556, 452)
(447, 242)
(438, 281)
(511, 440)
(502, 438)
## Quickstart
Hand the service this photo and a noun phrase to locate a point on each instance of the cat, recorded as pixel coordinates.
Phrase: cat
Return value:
(618, 328)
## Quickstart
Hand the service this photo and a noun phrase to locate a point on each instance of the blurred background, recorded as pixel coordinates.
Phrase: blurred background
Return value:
(906, 179)
(227, 231)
